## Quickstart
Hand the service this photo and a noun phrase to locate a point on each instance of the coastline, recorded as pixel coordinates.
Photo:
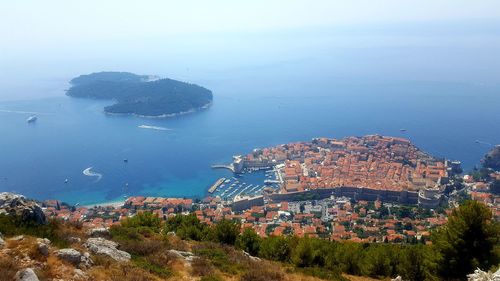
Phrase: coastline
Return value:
(113, 203)
(162, 116)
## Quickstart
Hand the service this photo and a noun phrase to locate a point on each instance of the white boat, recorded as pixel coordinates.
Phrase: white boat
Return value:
(31, 119)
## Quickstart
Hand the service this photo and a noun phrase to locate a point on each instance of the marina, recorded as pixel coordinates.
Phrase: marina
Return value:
(246, 184)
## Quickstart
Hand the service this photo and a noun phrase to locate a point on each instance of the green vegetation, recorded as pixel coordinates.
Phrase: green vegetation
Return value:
(277, 248)
(188, 227)
(150, 265)
(135, 95)
(140, 236)
(226, 232)
(469, 240)
(418, 263)
(249, 241)
(53, 230)
(143, 220)
(211, 278)
(110, 77)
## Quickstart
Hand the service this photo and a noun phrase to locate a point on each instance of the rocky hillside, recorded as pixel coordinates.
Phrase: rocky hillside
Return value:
(145, 248)
(88, 256)
(17, 205)
(34, 248)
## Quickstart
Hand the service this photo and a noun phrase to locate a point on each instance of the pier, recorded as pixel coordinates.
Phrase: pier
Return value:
(222, 166)
(216, 185)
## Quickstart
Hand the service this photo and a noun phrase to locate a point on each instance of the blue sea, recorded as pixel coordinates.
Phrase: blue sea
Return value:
(457, 121)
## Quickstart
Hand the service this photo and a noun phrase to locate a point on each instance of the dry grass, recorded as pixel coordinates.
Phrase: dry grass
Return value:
(26, 247)
(262, 274)
(24, 253)
(54, 268)
(178, 244)
(8, 268)
(201, 267)
(121, 272)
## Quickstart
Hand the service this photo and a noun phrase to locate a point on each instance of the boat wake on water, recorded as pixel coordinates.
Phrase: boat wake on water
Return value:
(88, 172)
(154, 128)
(24, 112)
(483, 142)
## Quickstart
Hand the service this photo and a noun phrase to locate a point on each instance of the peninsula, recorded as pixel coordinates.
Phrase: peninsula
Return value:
(141, 95)
(369, 168)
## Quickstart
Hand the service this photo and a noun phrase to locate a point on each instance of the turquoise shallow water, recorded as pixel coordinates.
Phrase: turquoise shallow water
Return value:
(71, 135)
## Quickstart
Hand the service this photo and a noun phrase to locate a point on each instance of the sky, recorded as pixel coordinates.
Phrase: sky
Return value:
(51, 22)
(60, 38)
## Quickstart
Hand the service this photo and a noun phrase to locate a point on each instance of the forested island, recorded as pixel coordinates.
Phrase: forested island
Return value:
(141, 95)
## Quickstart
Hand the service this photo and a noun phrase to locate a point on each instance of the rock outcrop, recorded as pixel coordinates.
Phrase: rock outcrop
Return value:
(187, 257)
(74, 257)
(17, 205)
(98, 232)
(26, 275)
(480, 275)
(251, 257)
(43, 246)
(101, 246)
(73, 239)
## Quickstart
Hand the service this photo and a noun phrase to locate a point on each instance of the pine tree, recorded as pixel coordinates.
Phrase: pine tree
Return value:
(470, 239)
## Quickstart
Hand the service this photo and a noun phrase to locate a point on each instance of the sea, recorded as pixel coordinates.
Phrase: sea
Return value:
(172, 157)
(437, 87)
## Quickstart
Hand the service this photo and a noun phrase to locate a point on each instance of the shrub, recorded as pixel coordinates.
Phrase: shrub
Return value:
(143, 247)
(225, 258)
(468, 240)
(188, 227)
(152, 267)
(211, 278)
(227, 231)
(121, 233)
(377, 262)
(323, 273)
(217, 257)
(346, 257)
(143, 220)
(13, 225)
(276, 248)
(418, 263)
(249, 241)
(310, 252)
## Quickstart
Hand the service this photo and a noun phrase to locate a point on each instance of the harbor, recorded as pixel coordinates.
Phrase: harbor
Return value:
(249, 183)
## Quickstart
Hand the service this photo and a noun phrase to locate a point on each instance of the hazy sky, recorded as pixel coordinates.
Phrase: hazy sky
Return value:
(401, 39)
(53, 22)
